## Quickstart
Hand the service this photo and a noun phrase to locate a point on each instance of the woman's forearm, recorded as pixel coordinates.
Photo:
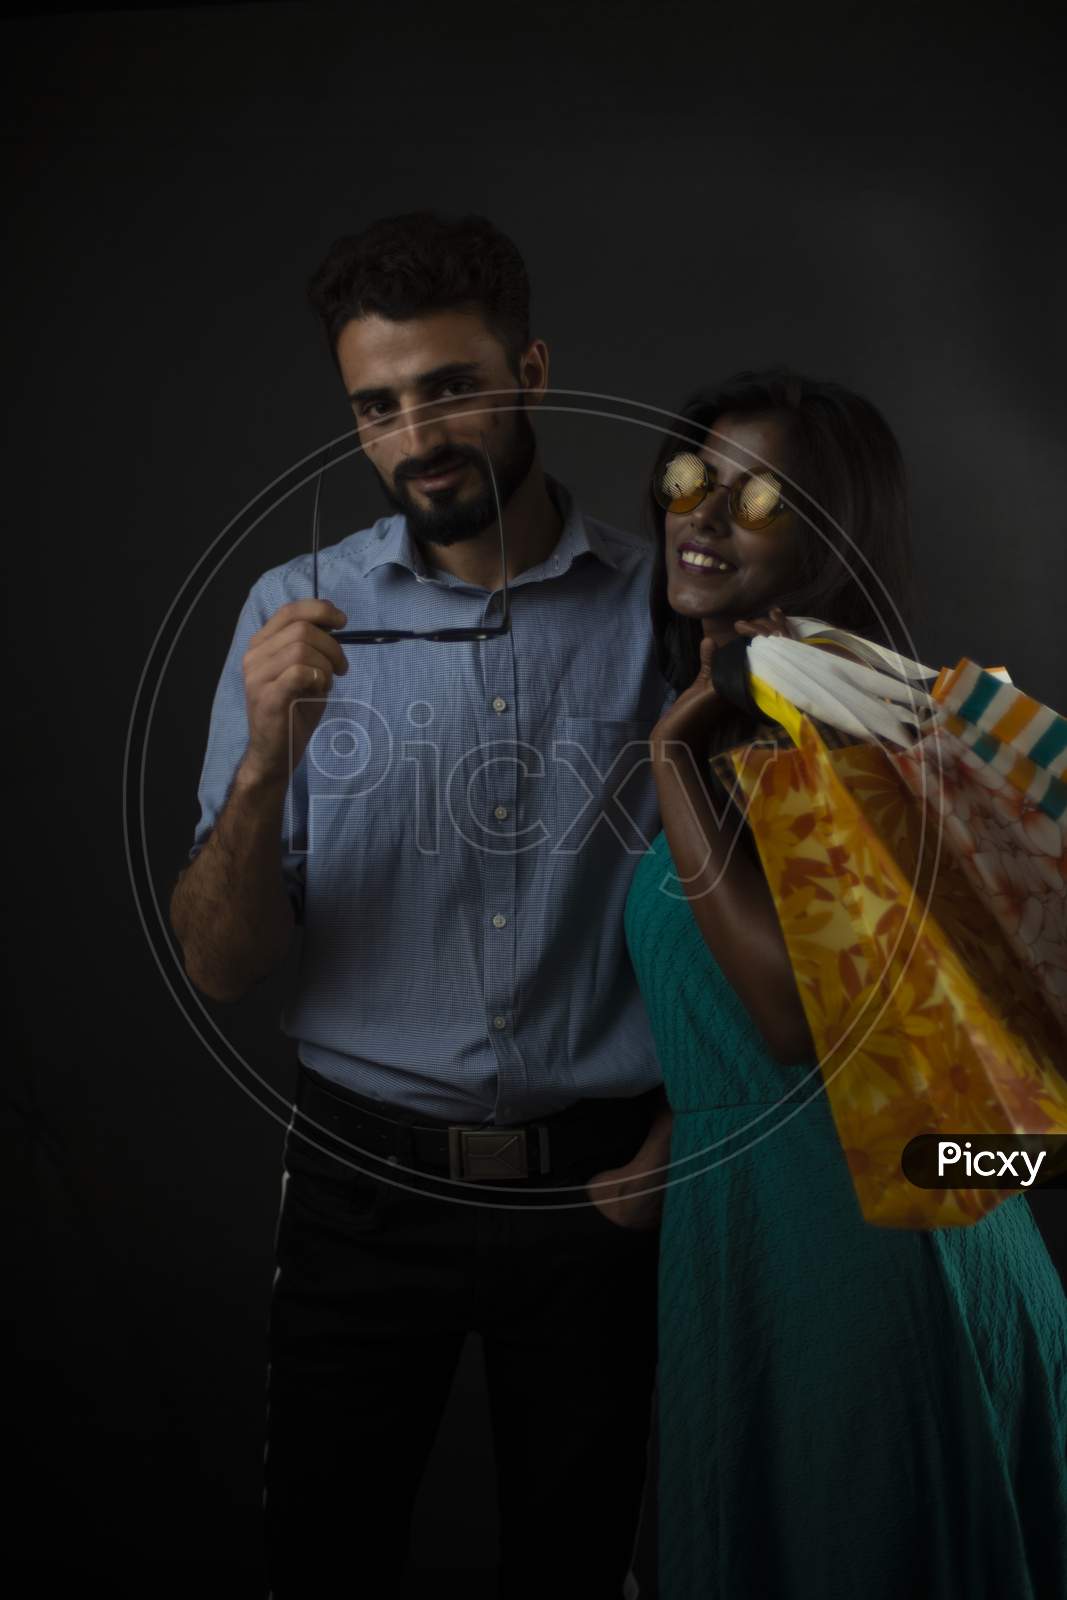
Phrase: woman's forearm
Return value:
(655, 1150)
(731, 902)
(633, 1193)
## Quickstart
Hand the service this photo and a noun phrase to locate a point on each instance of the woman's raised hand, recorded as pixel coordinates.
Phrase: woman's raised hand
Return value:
(775, 624)
(691, 717)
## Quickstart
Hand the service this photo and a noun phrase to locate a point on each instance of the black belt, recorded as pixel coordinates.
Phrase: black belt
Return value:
(558, 1144)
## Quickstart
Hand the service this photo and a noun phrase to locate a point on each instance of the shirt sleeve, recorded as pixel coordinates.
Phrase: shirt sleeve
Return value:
(228, 739)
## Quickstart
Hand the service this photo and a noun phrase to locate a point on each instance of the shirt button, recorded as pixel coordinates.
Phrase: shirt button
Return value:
(500, 1022)
(500, 813)
(499, 703)
(500, 921)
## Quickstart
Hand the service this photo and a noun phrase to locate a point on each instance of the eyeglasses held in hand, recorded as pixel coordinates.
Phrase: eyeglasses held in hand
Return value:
(755, 498)
(440, 635)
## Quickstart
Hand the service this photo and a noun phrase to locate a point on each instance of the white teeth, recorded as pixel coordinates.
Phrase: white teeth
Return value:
(691, 559)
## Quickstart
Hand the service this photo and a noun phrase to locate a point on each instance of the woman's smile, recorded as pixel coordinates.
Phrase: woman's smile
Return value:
(696, 557)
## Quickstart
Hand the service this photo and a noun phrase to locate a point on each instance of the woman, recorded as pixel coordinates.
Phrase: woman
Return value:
(845, 1411)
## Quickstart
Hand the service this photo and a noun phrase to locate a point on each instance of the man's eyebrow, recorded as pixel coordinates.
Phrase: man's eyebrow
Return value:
(425, 380)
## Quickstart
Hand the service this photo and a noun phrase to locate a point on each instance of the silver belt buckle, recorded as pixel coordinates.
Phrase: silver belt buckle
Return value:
(478, 1153)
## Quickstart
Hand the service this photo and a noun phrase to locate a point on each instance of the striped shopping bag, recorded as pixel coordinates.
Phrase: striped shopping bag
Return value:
(993, 768)
(1012, 733)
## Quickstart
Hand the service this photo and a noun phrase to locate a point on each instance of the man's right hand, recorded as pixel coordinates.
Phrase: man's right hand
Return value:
(291, 659)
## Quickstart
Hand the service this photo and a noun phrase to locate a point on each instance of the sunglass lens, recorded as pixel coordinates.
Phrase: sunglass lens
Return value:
(756, 500)
(681, 482)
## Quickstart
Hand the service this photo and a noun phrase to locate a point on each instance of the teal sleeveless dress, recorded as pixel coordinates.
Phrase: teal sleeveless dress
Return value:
(845, 1412)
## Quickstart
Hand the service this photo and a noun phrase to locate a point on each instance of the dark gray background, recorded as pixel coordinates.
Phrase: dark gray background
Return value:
(869, 194)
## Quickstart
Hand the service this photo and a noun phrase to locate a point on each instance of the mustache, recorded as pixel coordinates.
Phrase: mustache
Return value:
(436, 463)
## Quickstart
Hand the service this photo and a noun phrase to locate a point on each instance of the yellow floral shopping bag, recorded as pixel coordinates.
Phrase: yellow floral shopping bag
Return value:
(927, 1017)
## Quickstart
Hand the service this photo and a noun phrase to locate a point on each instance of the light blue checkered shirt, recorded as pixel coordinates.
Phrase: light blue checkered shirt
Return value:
(461, 833)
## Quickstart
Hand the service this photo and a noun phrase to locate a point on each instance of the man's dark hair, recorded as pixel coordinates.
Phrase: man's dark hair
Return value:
(406, 266)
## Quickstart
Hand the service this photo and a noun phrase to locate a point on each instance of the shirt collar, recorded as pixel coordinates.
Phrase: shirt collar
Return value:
(392, 542)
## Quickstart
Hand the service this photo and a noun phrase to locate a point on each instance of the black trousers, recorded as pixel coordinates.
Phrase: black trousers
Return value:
(375, 1291)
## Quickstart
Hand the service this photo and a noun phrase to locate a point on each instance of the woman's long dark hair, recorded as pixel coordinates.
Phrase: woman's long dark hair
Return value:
(845, 478)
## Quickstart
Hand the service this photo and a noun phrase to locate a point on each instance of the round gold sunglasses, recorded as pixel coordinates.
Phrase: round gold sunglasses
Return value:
(685, 479)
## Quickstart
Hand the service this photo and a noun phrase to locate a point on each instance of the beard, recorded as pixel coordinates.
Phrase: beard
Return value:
(449, 519)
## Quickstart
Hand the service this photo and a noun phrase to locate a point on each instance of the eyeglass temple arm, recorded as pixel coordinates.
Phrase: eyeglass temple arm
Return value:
(315, 534)
(505, 606)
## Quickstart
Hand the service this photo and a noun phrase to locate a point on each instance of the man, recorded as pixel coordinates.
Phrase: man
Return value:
(452, 825)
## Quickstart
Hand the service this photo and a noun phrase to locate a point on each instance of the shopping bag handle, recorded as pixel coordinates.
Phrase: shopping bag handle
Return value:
(875, 697)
